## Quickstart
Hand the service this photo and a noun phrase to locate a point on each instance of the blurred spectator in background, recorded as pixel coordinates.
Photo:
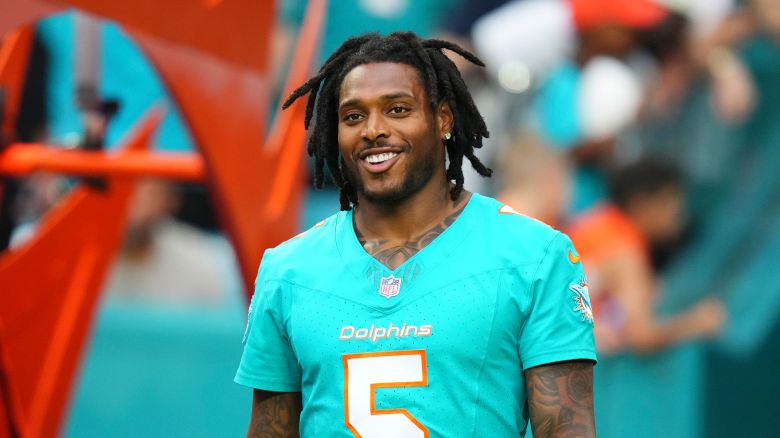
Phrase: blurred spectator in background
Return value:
(534, 180)
(575, 58)
(697, 40)
(500, 107)
(616, 241)
(167, 261)
(596, 68)
(598, 90)
(162, 261)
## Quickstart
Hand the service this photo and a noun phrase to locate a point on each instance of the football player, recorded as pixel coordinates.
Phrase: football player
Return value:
(420, 309)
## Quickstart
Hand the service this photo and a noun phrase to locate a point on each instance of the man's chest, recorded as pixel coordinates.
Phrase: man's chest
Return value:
(459, 322)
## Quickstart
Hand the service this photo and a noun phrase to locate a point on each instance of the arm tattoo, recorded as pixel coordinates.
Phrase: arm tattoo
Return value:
(275, 415)
(560, 399)
(393, 254)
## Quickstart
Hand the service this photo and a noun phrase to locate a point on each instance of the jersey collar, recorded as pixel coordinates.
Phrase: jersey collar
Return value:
(365, 267)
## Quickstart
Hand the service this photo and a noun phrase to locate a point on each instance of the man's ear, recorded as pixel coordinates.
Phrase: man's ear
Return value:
(444, 119)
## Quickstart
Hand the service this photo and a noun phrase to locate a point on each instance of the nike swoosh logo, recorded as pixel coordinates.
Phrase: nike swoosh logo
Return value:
(505, 209)
(574, 259)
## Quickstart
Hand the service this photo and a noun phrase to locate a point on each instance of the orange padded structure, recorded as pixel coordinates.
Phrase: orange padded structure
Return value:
(49, 289)
(14, 53)
(236, 31)
(212, 54)
(24, 158)
(16, 14)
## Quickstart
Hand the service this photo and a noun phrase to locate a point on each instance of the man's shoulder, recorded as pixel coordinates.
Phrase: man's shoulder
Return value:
(304, 250)
(506, 227)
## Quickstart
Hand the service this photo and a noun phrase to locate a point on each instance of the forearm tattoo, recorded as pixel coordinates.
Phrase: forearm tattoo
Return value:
(275, 415)
(393, 254)
(560, 400)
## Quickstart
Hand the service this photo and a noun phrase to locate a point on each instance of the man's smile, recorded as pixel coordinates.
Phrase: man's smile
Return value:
(378, 161)
(378, 158)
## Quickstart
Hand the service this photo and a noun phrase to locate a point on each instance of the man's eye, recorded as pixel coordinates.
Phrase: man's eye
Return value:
(398, 110)
(352, 117)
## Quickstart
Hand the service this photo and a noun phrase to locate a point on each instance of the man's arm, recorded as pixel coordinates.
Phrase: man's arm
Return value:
(274, 414)
(560, 399)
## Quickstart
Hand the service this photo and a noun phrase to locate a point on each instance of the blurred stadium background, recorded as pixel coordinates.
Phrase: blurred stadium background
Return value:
(574, 90)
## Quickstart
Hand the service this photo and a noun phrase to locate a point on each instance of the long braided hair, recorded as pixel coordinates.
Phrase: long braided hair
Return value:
(441, 79)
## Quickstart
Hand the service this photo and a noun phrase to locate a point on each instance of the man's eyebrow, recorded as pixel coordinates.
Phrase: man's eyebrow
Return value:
(391, 96)
(397, 95)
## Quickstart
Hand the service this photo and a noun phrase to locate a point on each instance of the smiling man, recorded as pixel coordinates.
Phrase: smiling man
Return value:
(420, 309)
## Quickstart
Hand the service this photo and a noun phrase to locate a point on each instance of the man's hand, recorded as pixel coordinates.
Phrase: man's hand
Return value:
(275, 414)
(560, 399)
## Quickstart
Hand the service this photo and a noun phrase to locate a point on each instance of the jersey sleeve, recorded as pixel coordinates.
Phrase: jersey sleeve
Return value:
(559, 323)
(268, 361)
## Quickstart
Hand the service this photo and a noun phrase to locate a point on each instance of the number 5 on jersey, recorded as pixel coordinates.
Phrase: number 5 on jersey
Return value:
(364, 373)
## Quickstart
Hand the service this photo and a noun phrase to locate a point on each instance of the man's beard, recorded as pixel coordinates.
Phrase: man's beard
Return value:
(419, 173)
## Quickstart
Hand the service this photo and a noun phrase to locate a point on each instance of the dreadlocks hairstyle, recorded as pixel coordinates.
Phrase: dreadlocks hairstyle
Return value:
(440, 77)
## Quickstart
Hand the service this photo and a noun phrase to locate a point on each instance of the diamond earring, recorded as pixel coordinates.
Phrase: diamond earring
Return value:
(447, 136)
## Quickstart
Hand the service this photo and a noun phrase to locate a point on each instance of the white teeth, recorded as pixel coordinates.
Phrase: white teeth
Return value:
(378, 158)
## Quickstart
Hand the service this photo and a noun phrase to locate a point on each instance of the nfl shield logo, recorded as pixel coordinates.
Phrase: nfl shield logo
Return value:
(389, 286)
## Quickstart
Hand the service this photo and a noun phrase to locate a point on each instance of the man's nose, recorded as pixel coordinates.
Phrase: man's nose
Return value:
(374, 127)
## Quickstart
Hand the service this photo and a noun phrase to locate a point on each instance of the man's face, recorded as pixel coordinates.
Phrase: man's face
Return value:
(389, 138)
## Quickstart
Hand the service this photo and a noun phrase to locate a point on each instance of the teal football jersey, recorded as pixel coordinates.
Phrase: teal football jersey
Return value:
(436, 347)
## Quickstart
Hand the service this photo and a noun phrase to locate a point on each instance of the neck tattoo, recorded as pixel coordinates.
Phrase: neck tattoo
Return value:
(393, 254)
